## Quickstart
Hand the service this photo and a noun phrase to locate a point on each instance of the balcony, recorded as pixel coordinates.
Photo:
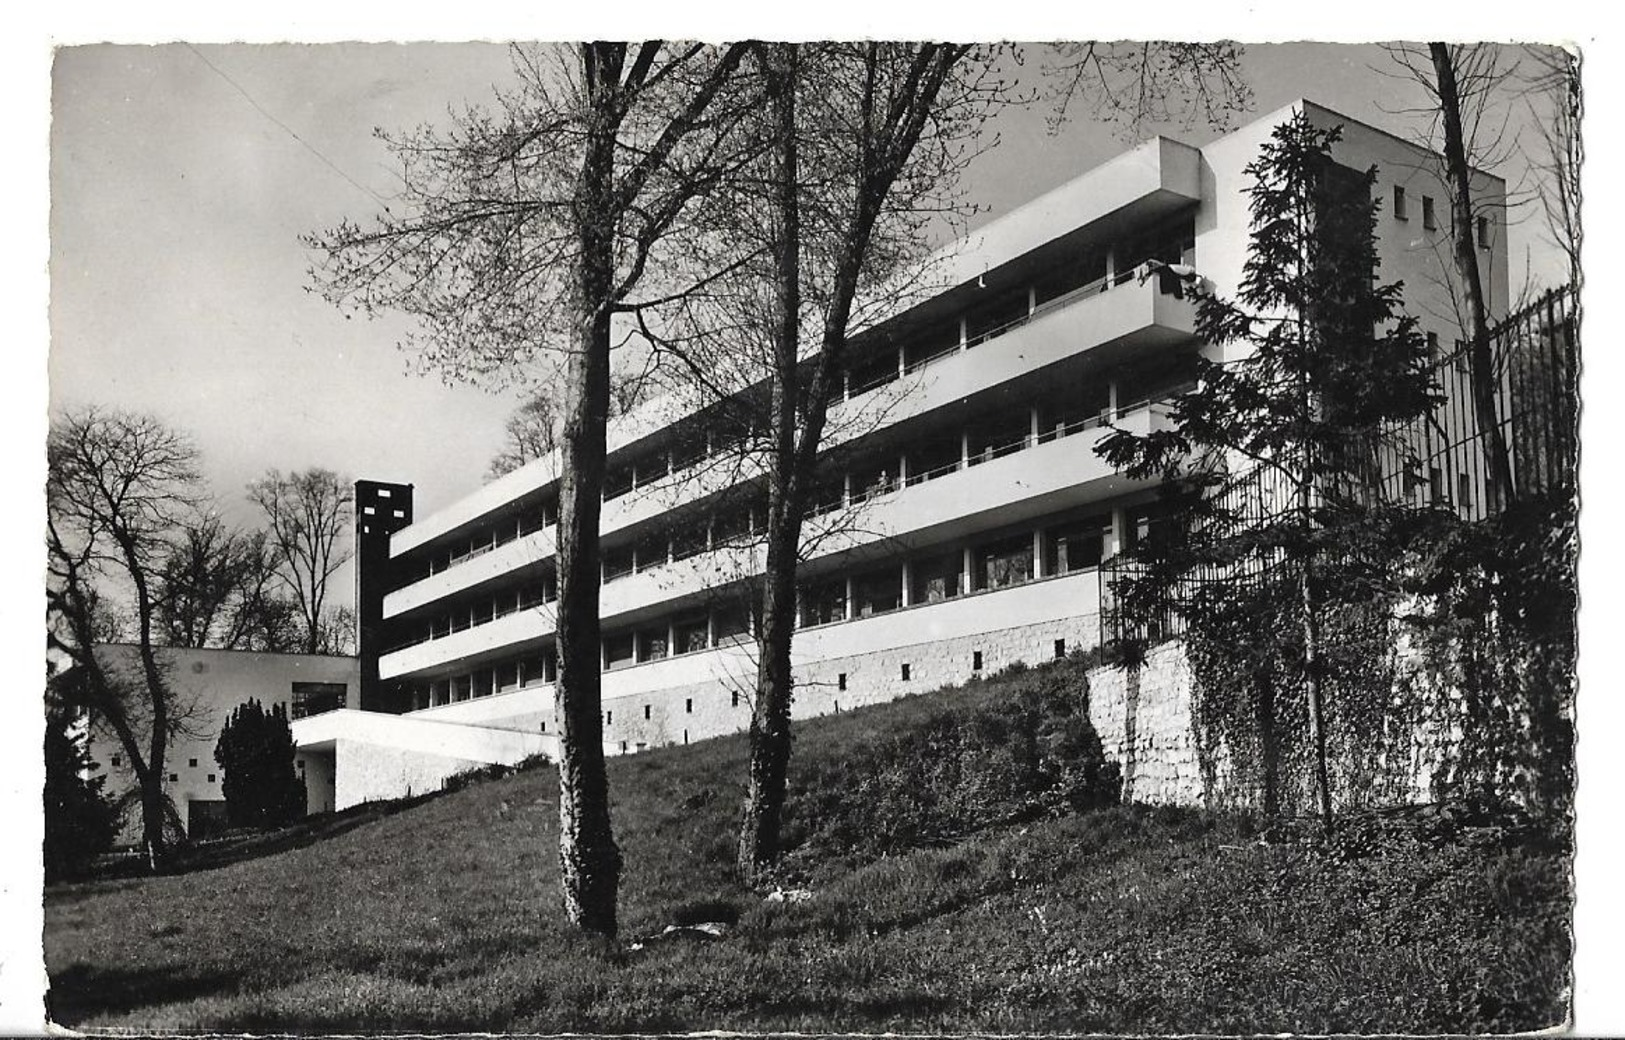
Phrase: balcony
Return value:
(1114, 318)
(1008, 484)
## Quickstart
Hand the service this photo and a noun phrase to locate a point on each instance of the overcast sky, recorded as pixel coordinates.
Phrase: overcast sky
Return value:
(182, 178)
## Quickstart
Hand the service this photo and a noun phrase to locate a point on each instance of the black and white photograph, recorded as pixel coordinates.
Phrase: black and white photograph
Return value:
(844, 533)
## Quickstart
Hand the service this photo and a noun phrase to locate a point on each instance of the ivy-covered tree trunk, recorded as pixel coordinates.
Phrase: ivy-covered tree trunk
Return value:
(589, 860)
(1314, 693)
(759, 841)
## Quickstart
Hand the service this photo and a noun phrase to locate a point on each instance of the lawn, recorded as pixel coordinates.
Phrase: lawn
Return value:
(444, 916)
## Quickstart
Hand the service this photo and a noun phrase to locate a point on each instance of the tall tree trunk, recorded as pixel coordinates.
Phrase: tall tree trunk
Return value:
(152, 782)
(589, 860)
(1501, 490)
(759, 830)
(1315, 693)
(1269, 744)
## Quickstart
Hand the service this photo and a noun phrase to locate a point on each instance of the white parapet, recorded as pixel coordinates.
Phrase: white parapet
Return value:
(376, 755)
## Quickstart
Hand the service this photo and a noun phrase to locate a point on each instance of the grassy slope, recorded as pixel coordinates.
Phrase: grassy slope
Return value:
(445, 917)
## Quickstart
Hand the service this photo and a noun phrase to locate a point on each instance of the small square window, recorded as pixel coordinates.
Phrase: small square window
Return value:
(210, 777)
(1400, 212)
(1429, 220)
(116, 760)
(173, 777)
(840, 681)
(191, 763)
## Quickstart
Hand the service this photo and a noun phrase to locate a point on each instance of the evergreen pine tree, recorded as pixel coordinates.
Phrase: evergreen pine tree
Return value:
(1276, 459)
(256, 758)
(80, 821)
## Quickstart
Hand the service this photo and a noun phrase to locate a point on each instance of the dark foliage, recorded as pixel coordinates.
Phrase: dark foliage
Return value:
(80, 821)
(255, 754)
(1032, 754)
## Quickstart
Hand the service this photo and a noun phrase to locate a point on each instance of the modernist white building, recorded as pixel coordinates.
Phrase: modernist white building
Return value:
(206, 685)
(985, 511)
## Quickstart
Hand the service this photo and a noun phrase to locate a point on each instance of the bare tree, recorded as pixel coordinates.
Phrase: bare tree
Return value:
(532, 431)
(215, 588)
(1134, 83)
(308, 519)
(531, 229)
(118, 486)
(1554, 104)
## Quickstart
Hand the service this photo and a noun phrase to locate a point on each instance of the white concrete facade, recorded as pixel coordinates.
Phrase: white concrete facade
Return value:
(207, 686)
(967, 527)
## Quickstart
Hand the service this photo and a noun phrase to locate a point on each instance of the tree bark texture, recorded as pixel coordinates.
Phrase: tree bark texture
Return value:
(759, 832)
(589, 860)
(1480, 348)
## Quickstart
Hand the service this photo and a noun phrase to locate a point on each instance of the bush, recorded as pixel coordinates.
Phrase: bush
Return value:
(1033, 753)
(255, 754)
(80, 822)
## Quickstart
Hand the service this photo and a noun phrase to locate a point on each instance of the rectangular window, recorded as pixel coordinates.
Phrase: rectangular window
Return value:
(609, 717)
(1429, 221)
(690, 634)
(1483, 232)
(736, 698)
(652, 644)
(532, 671)
(1004, 563)
(731, 622)
(1076, 546)
(905, 672)
(824, 602)
(1399, 203)
(1464, 491)
(507, 676)
(313, 698)
(462, 688)
(840, 681)
(1433, 346)
(936, 578)
(1060, 649)
(976, 661)
(1435, 486)
(483, 683)
(688, 706)
(646, 710)
(618, 650)
(878, 592)
(617, 563)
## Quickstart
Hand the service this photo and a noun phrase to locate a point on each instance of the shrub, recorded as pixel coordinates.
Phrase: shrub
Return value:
(80, 822)
(255, 754)
(1030, 753)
